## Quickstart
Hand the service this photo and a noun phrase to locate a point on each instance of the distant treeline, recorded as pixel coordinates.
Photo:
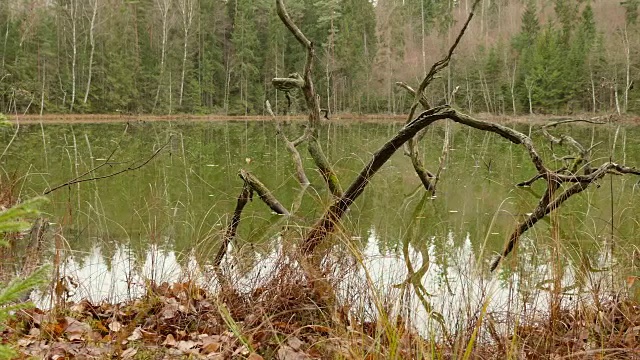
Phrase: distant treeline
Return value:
(219, 56)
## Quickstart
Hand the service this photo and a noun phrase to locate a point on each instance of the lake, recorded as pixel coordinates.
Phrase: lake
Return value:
(165, 220)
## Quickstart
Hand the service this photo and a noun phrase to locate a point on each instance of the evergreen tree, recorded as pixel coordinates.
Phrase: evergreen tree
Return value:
(529, 29)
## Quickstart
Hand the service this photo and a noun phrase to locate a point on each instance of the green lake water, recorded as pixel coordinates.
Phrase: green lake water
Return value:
(166, 218)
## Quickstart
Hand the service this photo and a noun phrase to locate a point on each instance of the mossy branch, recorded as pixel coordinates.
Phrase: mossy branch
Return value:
(548, 203)
(291, 148)
(313, 104)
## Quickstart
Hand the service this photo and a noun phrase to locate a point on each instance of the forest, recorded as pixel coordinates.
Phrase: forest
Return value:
(218, 57)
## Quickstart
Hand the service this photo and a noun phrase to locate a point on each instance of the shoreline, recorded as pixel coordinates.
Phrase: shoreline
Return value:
(338, 118)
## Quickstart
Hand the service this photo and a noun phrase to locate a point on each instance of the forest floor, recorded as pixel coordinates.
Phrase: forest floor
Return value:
(343, 117)
(183, 321)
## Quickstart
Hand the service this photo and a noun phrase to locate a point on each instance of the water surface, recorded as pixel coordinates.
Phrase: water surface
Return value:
(165, 220)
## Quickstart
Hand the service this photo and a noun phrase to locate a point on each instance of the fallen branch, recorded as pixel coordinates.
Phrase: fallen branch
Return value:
(263, 192)
(441, 64)
(427, 178)
(583, 156)
(245, 195)
(250, 184)
(291, 147)
(411, 150)
(312, 101)
(80, 179)
(547, 203)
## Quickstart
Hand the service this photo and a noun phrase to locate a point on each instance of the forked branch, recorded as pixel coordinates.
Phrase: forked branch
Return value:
(312, 101)
(427, 178)
(291, 147)
(250, 185)
(547, 203)
(335, 212)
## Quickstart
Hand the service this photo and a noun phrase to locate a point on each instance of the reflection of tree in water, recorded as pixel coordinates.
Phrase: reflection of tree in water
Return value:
(186, 197)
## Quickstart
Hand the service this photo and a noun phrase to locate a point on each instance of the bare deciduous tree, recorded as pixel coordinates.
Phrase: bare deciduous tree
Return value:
(186, 10)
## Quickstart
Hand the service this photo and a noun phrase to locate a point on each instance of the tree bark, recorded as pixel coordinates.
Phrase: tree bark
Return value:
(263, 192)
(186, 10)
(291, 147)
(163, 7)
(92, 42)
(315, 150)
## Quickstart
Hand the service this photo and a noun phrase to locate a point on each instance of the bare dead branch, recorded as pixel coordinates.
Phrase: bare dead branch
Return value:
(426, 177)
(130, 168)
(335, 212)
(423, 99)
(313, 104)
(250, 184)
(411, 150)
(263, 192)
(293, 81)
(286, 19)
(441, 64)
(291, 147)
(547, 203)
(245, 195)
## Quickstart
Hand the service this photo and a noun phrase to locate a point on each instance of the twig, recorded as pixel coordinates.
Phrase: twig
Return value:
(441, 64)
(130, 168)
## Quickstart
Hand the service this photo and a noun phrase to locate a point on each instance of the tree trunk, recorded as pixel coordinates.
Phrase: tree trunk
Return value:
(593, 89)
(163, 7)
(627, 51)
(92, 42)
(513, 86)
(44, 76)
(73, 14)
(186, 9)
(4, 47)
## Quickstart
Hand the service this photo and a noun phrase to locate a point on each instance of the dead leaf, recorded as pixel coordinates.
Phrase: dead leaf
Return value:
(115, 326)
(169, 341)
(75, 329)
(185, 345)
(169, 311)
(295, 343)
(287, 353)
(136, 334)
(129, 353)
(255, 356)
(211, 347)
(25, 342)
(241, 350)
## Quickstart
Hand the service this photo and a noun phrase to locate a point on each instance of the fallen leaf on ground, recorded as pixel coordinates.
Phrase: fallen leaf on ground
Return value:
(129, 353)
(115, 326)
(169, 341)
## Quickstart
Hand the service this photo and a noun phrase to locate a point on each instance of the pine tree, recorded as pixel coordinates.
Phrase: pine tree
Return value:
(245, 61)
(529, 29)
